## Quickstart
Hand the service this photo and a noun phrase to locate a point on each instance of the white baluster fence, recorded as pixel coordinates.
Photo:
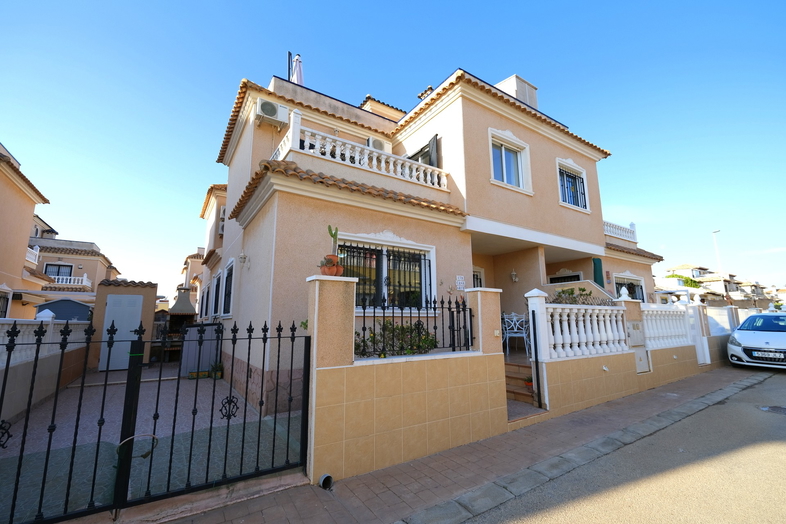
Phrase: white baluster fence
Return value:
(26, 340)
(358, 155)
(582, 330)
(665, 326)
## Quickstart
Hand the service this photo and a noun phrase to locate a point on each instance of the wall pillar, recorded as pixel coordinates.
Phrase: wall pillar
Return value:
(331, 324)
(486, 319)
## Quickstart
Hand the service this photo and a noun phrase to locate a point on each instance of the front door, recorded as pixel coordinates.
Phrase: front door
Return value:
(126, 312)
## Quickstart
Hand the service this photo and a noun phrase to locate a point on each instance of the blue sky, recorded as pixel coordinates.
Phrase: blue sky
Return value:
(117, 111)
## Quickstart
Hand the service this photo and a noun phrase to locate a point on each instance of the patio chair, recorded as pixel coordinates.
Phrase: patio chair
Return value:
(515, 325)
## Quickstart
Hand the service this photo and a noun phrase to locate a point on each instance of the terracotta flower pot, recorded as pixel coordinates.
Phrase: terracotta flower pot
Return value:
(339, 270)
(334, 258)
(328, 270)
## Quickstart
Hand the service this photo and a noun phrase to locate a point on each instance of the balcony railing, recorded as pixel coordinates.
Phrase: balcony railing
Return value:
(74, 281)
(616, 230)
(357, 155)
(32, 255)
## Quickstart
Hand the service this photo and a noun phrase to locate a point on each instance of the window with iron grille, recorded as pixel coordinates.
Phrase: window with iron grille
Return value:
(387, 276)
(571, 186)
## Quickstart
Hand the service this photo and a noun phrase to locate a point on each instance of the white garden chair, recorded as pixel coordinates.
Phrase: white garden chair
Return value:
(515, 325)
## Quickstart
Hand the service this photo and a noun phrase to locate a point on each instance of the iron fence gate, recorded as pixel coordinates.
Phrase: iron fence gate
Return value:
(113, 439)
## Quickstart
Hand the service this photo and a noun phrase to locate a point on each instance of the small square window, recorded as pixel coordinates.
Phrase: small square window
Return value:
(506, 165)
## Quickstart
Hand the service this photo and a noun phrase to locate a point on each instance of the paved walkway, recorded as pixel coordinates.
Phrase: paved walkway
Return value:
(454, 485)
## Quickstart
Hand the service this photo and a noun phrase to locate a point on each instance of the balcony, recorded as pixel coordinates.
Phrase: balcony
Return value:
(625, 233)
(329, 147)
(74, 281)
(32, 255)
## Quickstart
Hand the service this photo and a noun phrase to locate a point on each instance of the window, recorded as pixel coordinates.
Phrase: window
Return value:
(427, 154)
(509, 160)
(204, 308)
(58, 270)
(634, 285)
(478, 276)
(217, 294)
(572, 184)
(228, 289)
(3, 305)
(390, 276)
(565, 278)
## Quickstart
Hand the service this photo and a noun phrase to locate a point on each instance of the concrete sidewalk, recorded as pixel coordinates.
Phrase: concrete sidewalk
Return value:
(454, 485)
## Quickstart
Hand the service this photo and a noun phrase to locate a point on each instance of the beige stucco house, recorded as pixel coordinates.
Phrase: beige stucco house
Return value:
(18, 263)
(474, 187)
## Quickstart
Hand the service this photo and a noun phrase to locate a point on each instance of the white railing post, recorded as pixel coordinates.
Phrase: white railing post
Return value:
(536, 300)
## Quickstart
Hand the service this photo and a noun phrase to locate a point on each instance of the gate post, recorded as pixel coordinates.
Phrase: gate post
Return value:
(128, 426)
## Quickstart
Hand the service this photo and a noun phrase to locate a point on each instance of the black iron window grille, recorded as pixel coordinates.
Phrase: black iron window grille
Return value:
(571, 186)
(387, 276)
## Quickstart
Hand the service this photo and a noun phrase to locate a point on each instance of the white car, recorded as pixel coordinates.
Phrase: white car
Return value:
(759, 341)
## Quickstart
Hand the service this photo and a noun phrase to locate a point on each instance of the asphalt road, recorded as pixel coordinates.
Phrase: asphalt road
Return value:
(726, 463)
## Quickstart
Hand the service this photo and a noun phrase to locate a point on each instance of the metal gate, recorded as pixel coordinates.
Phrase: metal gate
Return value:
(113, 439)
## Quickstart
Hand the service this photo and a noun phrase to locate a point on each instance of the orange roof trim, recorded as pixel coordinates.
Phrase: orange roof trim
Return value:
(290, 169)
(634, 251)
(7, 160)
(462, 76)
(240, 99)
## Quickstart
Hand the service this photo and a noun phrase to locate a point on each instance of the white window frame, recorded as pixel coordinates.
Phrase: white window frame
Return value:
(204, 312)
(231, 287)
(387, 239)
(508, 140)
(482, 273)
(566, 273)
(569, 165)
(627, 275)
(63, 264)
(7, 296)
(216, 305)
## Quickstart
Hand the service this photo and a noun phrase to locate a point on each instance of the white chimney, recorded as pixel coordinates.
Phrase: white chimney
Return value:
(520, 89)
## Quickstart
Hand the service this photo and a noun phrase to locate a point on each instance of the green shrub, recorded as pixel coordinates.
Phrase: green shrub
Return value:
(389, 338)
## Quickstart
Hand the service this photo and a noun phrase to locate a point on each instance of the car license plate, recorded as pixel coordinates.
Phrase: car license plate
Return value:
(767, 354)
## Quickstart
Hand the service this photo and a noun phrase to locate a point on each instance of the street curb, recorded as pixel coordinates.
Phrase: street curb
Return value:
(484, 498)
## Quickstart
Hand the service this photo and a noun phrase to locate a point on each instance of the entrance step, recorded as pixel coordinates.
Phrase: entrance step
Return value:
(514, 382)
(519, 394)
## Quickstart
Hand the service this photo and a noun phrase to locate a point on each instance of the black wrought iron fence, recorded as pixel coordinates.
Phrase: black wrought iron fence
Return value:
(391, 330)
(118, 437)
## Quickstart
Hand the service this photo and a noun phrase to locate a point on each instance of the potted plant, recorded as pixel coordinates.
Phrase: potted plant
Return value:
(528, 383)
(217, 370)
(329, 265)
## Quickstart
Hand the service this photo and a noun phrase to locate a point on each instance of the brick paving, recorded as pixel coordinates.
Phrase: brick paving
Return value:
(424, 489)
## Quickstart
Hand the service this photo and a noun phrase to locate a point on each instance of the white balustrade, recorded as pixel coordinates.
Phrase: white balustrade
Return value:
(32, 255)
(665, 326)
(575, 331)
(616, 230)
(358, 155)
(25, 349)
(74, 281)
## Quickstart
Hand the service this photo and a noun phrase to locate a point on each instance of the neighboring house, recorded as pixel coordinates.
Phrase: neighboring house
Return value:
(716, 288)
(18, 273)
(474, 187)
(74, 266)
(192, 274)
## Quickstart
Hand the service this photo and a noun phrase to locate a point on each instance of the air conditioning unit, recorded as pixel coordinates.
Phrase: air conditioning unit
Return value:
(272, 113)
(221, 229)
(378, 143)
(223, 213)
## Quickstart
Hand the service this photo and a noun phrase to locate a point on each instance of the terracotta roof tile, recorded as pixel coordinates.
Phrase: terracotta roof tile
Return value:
(39, 274)
(369, 97)
(68, 289)
(290, 169)
(7, 160)
(74, 251)
(210, 191)
(461, 76)
(127, 283)
(633, 251)
(240, 99)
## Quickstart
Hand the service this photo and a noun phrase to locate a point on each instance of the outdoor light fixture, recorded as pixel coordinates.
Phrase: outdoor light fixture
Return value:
(242, 258)
(513, 276)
